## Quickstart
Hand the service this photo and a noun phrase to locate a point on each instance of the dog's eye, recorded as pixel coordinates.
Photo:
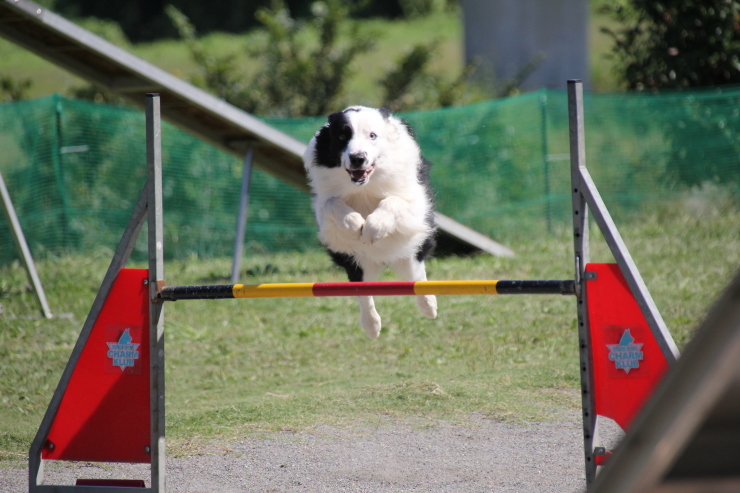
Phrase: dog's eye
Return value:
(373, 136)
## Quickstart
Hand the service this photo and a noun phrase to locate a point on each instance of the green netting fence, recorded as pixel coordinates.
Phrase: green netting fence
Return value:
(74, 169)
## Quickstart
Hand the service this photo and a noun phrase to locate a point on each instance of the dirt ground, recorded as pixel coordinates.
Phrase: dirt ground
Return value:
(406, 456)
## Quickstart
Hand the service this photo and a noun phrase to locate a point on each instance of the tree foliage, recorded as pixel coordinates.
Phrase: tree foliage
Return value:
(12, 89)
(297, 81)
(675, 44)
(300, 78)
(409, 86)
(147, 20)
(292, 79)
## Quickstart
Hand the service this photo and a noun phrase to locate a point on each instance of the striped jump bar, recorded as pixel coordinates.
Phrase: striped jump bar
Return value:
(297, 290)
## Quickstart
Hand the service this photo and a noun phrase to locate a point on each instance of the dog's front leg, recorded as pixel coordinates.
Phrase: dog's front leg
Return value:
(384, 219)
(343, 216)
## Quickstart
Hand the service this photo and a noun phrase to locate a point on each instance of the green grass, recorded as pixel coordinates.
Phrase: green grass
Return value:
(237, 367)
(394, 38)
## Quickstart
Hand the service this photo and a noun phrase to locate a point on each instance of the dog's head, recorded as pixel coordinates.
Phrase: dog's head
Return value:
(355, 140)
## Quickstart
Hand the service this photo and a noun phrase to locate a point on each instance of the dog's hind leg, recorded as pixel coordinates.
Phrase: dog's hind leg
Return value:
(369, 318)
(412, 269)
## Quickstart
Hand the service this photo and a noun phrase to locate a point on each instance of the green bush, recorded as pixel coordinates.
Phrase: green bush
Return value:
(12, 89)
(292, 80)
(298, 76)
(676, 44)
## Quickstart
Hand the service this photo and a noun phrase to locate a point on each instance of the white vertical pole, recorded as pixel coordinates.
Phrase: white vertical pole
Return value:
(241, 224)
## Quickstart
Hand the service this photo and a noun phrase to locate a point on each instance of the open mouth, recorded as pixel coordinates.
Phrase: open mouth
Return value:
(360, 176)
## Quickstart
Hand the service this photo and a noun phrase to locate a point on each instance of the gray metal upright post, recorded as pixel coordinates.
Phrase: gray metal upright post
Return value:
(241, 223)
(20, 242)
(582, 257)
(156, 282)
(587, 198)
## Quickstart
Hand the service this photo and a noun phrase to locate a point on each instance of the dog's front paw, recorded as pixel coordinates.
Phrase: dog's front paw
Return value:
(353, 222)
(377, 227)
(428, 305)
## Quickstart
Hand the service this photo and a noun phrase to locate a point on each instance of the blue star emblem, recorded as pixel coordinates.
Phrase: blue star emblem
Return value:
(626, 355)
(123, 353)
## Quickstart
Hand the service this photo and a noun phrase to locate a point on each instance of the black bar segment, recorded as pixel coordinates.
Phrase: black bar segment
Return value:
(207, 292)
(536, 287)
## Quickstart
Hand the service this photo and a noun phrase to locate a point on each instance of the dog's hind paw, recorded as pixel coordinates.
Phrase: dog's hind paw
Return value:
(371, 323)
(428, 305)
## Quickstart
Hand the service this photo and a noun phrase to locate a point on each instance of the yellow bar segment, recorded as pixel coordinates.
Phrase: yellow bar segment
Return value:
(455, 287)
(278, 290)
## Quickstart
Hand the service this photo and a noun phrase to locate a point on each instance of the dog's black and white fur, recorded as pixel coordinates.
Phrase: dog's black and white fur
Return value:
(372, 201)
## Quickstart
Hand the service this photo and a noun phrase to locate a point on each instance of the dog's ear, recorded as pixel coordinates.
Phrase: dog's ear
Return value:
(335, 117)
(392, 131)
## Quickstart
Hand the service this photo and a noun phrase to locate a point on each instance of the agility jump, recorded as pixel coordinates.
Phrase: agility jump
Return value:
(401, 288)
(115, 373)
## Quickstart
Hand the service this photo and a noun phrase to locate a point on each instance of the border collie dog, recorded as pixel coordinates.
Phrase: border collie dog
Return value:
(372, 201)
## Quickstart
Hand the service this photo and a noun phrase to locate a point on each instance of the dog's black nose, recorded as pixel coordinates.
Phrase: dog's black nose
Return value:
(357, 160)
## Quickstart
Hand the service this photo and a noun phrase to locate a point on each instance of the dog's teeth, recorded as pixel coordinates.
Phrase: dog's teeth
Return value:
(359, 175)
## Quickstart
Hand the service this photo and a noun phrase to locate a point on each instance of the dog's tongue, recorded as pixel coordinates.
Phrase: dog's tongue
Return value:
(358, 174)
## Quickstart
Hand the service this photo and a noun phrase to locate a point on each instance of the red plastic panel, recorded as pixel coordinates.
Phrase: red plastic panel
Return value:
(104, 413)
(627, 361)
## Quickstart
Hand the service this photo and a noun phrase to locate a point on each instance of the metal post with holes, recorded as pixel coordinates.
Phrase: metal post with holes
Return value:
(156, 283)
(586, 198)
(581, 258)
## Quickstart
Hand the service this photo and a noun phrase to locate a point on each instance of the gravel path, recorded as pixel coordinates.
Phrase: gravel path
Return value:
(423, 456)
